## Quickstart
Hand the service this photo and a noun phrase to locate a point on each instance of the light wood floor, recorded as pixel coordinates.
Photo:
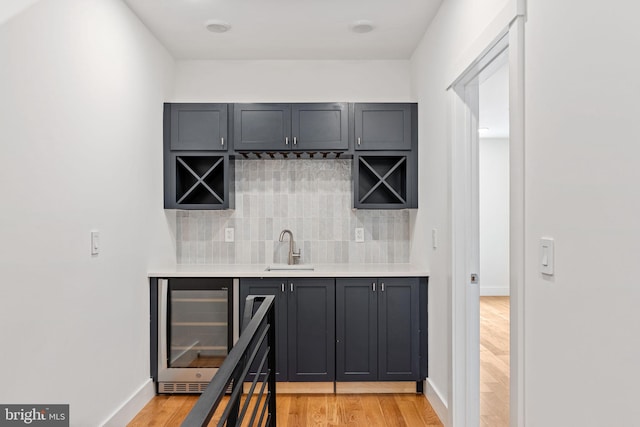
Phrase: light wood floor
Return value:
(494, 361)
(300, 410)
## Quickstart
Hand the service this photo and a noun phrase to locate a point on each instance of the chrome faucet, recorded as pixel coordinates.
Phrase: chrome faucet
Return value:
(292, 254)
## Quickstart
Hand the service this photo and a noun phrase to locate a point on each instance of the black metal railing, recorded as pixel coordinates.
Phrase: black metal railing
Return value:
(252, 356)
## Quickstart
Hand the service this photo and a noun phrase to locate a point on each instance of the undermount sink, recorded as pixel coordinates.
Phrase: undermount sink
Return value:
(292, 267)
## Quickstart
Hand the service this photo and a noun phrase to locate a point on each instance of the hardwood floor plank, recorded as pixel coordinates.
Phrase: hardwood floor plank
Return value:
(494, 361)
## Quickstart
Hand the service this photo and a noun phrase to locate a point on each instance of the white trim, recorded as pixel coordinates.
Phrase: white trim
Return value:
(437, 402)
(494, 292)
(134, 404)
(484, 42)
(516, 220)
(465, 351)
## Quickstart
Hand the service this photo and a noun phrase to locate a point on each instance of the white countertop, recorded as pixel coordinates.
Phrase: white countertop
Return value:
(320, 270)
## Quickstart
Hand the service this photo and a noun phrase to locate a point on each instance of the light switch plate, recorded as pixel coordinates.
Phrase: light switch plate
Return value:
(546, 252)
(434, 238)
(95, 242)
(359, 235)
(229, 235)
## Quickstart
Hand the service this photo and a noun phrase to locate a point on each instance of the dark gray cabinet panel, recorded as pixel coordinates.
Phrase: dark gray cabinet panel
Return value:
(378, 329)
(398, 329)
(276, 287)
(356, 330)
(311, 330)
(383, 126)
(262, 127)
(322, 127)
(291, 127)
(199, 127)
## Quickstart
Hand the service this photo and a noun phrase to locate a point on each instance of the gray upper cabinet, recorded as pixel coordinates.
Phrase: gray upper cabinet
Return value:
(261, 127)
(322, 127)
(199, 127)
(383, 126)
(291, 127)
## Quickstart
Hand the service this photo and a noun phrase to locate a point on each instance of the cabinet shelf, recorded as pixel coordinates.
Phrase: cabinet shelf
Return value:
(225, 324)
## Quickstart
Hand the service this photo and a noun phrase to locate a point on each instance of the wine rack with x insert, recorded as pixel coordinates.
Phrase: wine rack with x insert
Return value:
(200, 181)
(382, 182)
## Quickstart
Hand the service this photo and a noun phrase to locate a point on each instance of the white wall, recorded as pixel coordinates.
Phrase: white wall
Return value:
(494, 215)
(292, 81)
(11, 8)
(81, 121)
(435, 64)
(582, 148)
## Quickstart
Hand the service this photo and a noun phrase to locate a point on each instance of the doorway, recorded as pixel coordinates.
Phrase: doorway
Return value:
(465, 221)
(493, 208)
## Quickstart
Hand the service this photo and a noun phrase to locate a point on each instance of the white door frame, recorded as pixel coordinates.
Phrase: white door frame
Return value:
(464, 398)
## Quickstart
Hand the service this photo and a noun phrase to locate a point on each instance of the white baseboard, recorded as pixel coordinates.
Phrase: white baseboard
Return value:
(437, 402)
(494, 292)
(130, 408)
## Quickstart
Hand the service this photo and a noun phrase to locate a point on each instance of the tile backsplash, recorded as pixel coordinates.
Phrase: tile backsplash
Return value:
(313, 199)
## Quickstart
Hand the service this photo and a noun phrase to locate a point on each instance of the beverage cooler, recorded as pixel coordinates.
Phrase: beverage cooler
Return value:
(191, 331)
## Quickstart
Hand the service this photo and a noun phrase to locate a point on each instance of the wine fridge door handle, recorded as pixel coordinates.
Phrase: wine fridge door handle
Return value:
(163, 296)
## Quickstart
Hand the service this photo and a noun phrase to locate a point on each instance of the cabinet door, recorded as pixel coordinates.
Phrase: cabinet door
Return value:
(277, 287)
(383, 126)
(262, 127)
(311, 330)
(199, 127)
(356, 330)
(322, 127)
(398, 323)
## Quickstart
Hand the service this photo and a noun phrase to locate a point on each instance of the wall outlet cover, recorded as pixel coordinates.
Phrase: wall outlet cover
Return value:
(359, 235)
(229, 235)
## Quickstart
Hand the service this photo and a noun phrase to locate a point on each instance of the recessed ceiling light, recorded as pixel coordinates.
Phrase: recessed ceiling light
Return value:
(362, 27)
(216, 26)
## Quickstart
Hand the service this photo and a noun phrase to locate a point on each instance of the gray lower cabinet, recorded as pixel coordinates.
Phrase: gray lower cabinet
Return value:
(275, 287)
(305, 318)
(378, 329)
(291, 127)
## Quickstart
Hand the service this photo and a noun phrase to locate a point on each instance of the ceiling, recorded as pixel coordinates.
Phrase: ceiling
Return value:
(287, 29)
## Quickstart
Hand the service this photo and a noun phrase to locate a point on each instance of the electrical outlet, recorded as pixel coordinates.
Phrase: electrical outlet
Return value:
(359, 235)
(229, 235)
